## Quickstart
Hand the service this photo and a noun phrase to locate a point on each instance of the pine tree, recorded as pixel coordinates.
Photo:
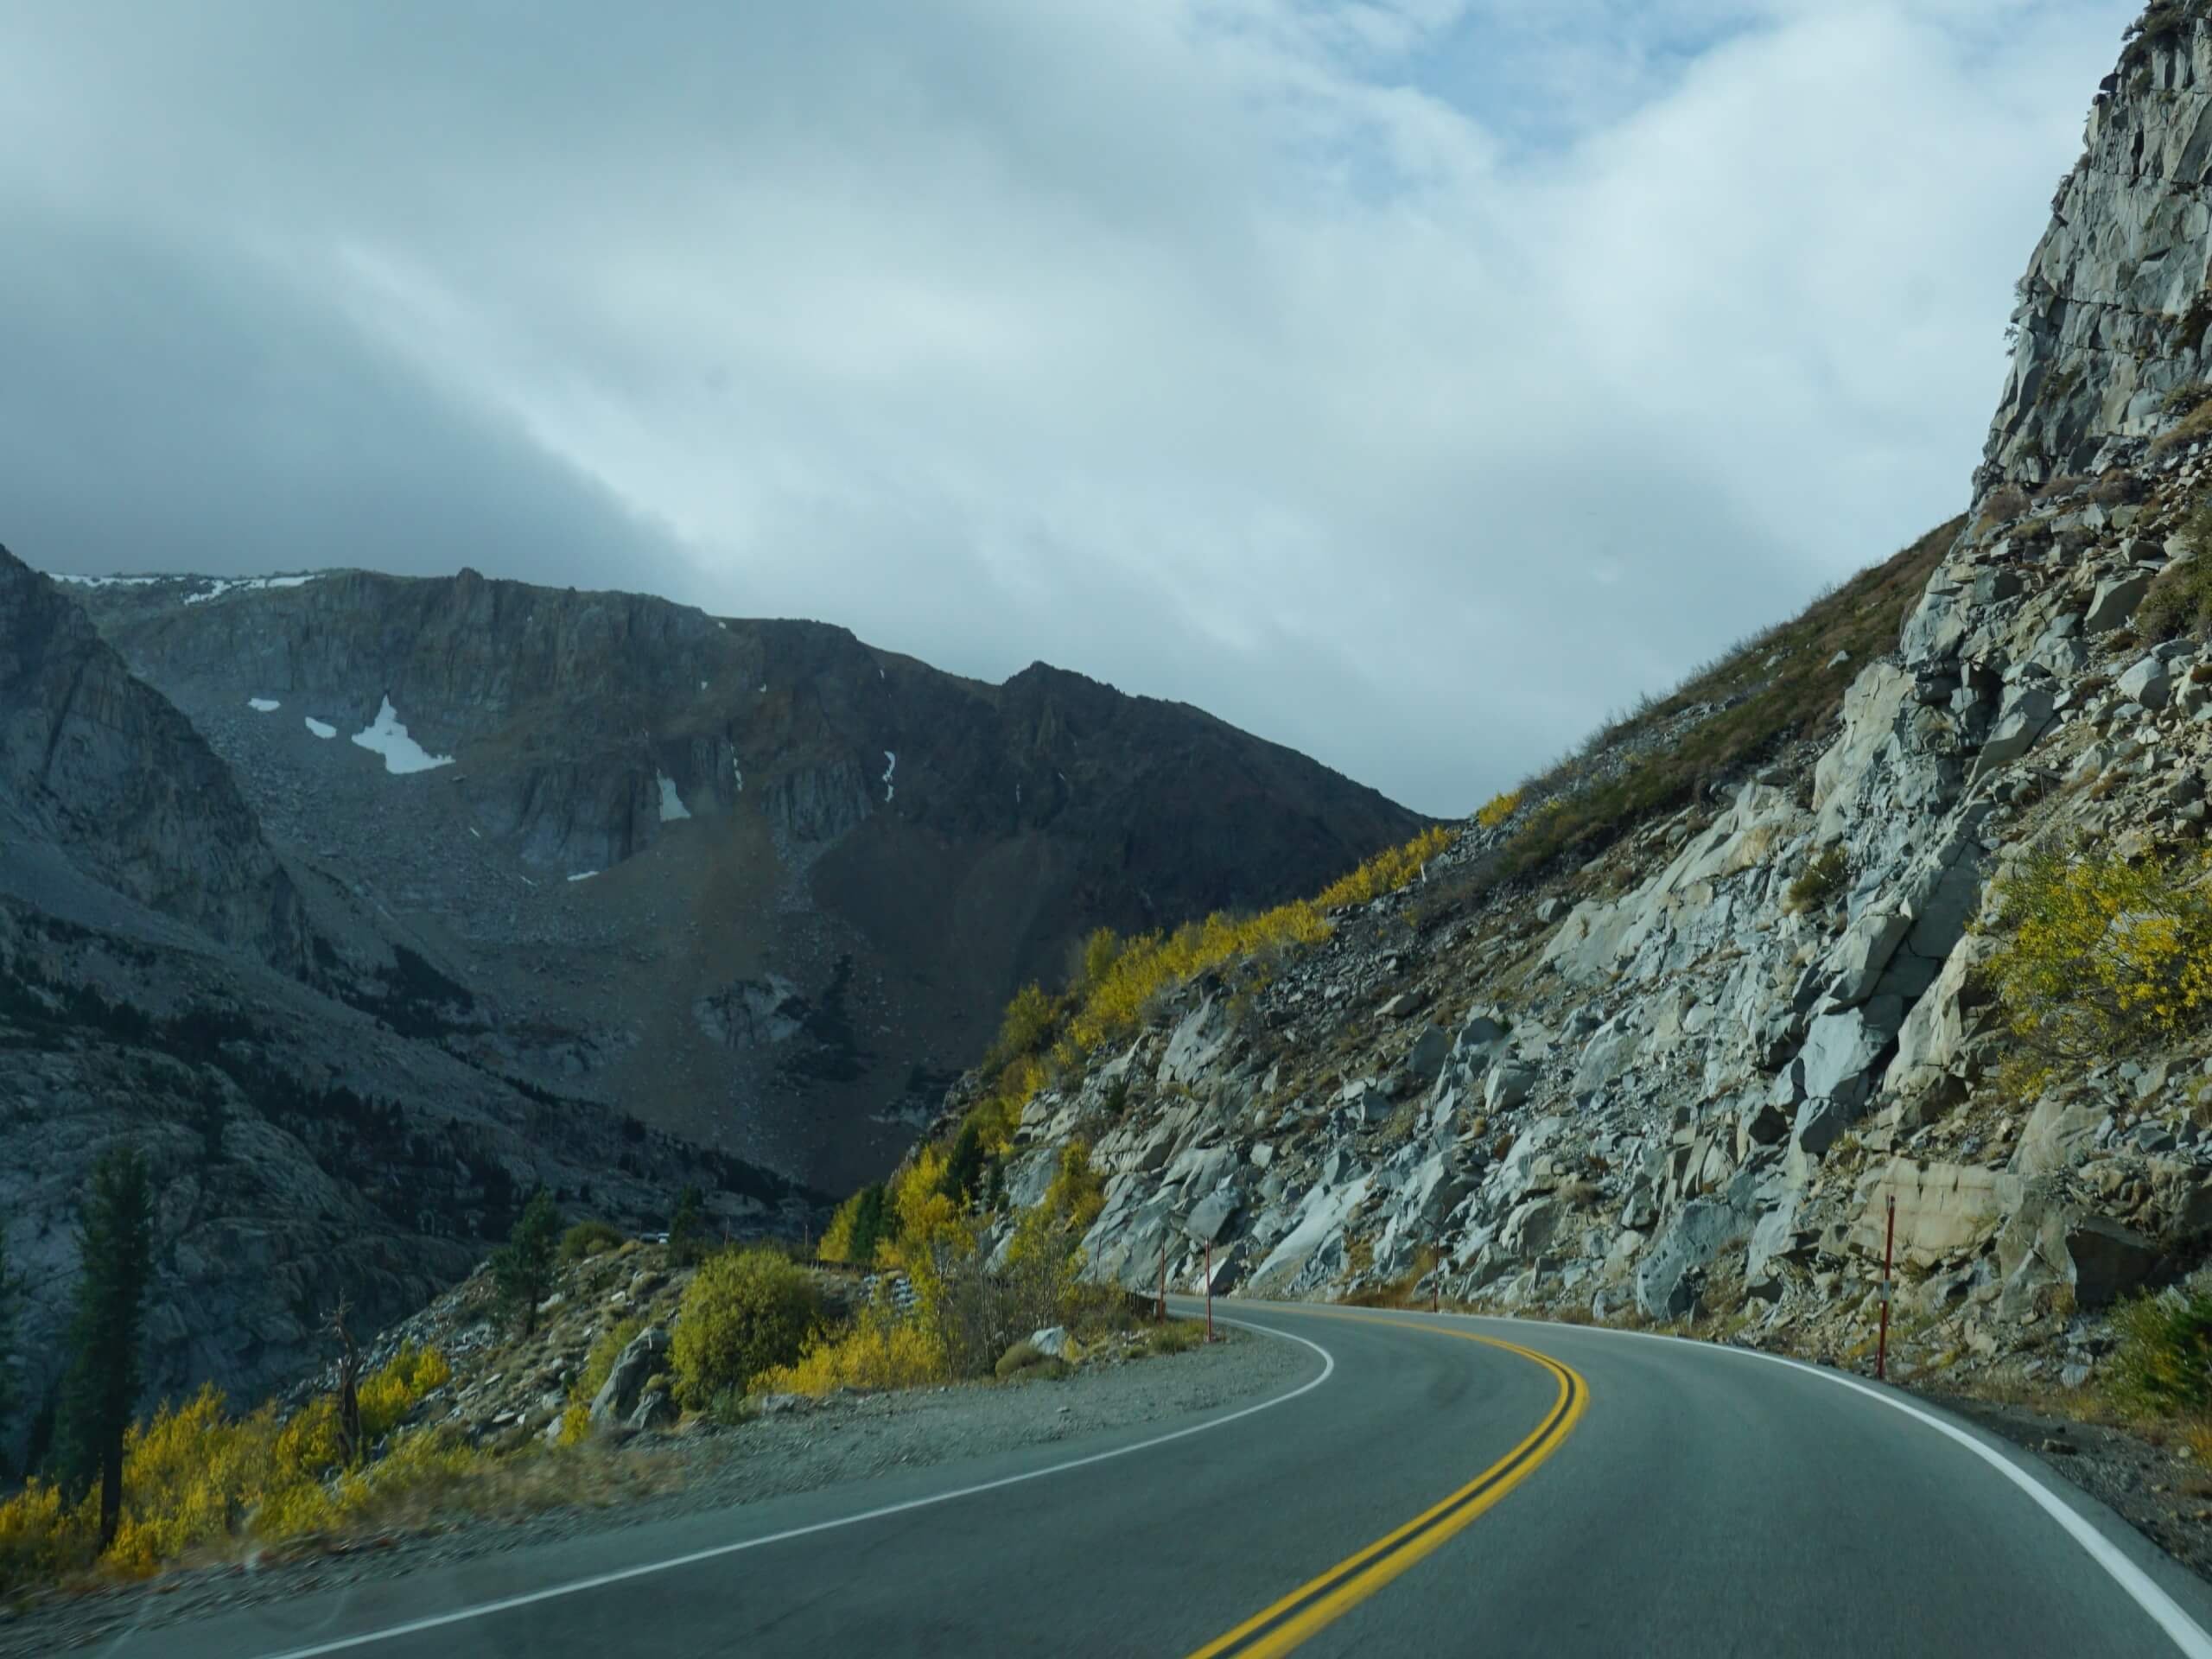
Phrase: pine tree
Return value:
(870, 1226)
(964, 1168)
(522, 1269)
(687, 1228)
(115, 1241)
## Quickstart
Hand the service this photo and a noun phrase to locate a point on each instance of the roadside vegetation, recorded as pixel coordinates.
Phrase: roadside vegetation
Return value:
(2097, 958)
(2179, 601)
(968, 1312)
(201, 1479)
(926, 1225)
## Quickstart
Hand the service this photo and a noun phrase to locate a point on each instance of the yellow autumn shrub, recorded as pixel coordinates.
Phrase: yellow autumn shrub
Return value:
(43, 1538)
(1499, 808)
(743, 1312)
(393, 1390)
(191, 1475)
(2097, 956)
(1387, 871)
(879, 1349)
(836, 1244)
(1153, 963)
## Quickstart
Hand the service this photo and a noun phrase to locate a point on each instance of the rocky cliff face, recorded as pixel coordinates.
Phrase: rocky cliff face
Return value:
(1684, 1071)
(102, 774)
(2112, 310)
(757, 882)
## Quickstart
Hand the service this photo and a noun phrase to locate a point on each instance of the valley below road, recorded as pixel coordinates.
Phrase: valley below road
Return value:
(1337, 1481)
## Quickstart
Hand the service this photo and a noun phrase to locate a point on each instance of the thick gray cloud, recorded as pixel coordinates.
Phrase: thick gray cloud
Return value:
(1410, 382)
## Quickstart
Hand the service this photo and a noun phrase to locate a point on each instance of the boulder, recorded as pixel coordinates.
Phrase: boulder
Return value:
(2114, 604)
(1839, 1047)
(654, 1410)
(1776, 1235)
(2026, 714)
(644, 1356)
(1855, 965)
(1507, 1086)
(1607, 1057)
(1762, 1123)
(1057, 1342)
(1212, 1216)
(2058, 1131)
(2050, 1238)
(1199, 1040)
(1940, 1021)
(1366, 1102)
(2148, 681)
(1942, 1209)
(1528, 1230)
(1665, 1278)
(1429, 1051)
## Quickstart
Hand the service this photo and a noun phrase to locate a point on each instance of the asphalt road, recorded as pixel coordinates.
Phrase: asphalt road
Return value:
(1417, 1491)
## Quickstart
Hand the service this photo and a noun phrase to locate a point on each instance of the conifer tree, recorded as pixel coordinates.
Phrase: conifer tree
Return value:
(687, 1228)
(115, 1243)
(522, 1269)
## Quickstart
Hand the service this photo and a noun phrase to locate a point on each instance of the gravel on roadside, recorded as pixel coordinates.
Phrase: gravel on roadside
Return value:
(2156, 1487)
(834, 1442)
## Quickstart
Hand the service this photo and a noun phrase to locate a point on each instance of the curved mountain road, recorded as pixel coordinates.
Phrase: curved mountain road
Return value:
(1429, 1486)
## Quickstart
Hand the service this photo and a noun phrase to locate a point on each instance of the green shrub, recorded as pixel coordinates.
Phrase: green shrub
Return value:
(2162, 1366)
(588, 1238)
(690, 1236)
(744, 1313)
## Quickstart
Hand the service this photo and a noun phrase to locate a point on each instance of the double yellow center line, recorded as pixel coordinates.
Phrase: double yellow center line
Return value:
(1324, 1600)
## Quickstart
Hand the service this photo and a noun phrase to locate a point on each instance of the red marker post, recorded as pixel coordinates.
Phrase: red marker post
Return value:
(1889, 1245)
(1162, 1312)
(1209, 1290)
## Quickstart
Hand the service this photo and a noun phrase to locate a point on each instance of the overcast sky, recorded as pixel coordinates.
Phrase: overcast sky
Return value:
(1410, 382)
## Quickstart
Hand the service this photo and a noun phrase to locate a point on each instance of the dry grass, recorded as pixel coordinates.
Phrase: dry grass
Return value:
(2187, 429)
(1799, 694)
(591, 1476)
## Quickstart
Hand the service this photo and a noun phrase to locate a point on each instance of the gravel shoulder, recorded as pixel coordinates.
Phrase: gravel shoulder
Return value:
(836, 1442)
(2156, 1487)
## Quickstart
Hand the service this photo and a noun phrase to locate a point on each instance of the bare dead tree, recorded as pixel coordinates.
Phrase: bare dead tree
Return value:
(349, 1387)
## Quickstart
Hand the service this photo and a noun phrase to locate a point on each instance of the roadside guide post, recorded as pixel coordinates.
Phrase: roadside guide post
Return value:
(1888, 1289)
(1209, 1290)
(1161, 1312)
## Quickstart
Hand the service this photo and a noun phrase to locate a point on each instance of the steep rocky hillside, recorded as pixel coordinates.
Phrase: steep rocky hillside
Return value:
(1664, 1037)
(756, 883)
(169, 978)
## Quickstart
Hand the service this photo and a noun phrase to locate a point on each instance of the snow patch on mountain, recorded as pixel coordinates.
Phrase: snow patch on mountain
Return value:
(388, 737)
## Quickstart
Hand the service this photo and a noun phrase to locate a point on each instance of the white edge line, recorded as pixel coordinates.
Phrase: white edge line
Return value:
(600, 1581)
(2164, 1611)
